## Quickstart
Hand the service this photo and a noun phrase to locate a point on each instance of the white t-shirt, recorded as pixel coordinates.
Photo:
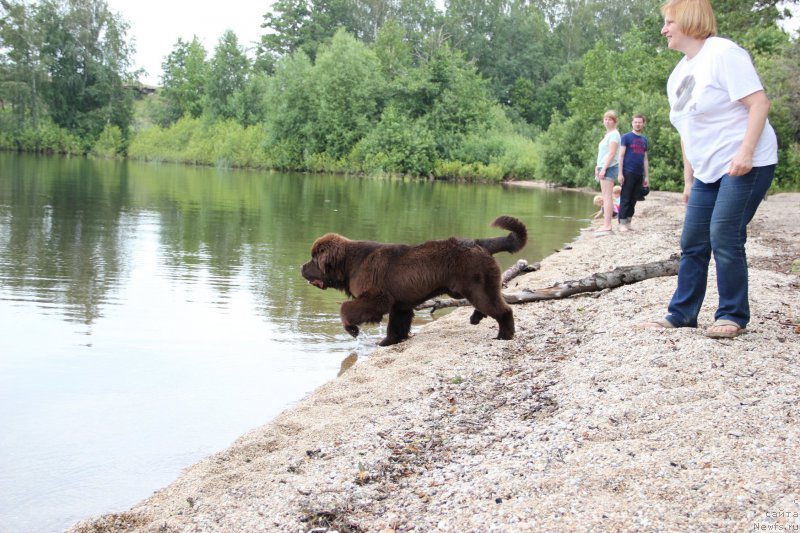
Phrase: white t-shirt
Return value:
(704, 94)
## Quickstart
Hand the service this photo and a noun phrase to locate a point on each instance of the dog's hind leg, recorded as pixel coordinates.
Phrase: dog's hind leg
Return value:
(500, 311)
(398, 327)
(476, 317)
(505, 322)
(491, 303)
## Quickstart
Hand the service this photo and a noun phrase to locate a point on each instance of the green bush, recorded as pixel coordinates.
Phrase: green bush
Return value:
(567, 158)
(199, 142)
(48, 138)
(787, 175)
(324, 163)
(397, 145)
(517, 156)
(447, 170)
(490, 172)
(110, 143)
(520, 158)
(6, 142)
(284, 155)
(165, 144)
(473, 172)
(481, 148)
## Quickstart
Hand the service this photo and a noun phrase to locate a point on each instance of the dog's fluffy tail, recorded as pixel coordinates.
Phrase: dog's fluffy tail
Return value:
(513, 242)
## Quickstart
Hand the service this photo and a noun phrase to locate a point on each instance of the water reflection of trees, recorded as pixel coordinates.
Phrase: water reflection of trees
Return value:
(61, 232)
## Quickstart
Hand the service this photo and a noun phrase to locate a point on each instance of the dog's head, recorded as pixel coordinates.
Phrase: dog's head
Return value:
(327, 265)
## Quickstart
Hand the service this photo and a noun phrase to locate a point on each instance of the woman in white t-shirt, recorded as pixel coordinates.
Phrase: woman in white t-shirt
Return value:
(719, 107)
(607, 168)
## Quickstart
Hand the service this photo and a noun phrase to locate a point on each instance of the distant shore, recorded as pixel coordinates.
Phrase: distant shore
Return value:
(540, 184)
(582, 421)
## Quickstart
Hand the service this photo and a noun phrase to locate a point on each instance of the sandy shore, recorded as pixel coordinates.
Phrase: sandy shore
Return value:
(581, 422)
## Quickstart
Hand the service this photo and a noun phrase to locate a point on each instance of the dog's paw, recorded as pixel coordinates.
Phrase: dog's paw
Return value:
(476, 317)
(388, 341)
(352, 330)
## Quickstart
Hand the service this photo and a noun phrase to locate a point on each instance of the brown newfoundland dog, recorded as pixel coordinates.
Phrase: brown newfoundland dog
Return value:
(395, 278)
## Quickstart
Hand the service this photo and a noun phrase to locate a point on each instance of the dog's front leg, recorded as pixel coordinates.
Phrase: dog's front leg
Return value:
(399, 326)
(362, 310)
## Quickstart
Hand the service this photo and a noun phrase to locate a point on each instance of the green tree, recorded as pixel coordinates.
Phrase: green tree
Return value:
(348, 91)
(308, 24)
(393, 51)
(250, 103)
(286, 24)
(290, 111)
(419, 19)
(471, 25)
(22, 71)
(449, 96)
(227, 76)
(88, 63)
(780, 74)
(736, 17)
(518, 51)
(183, 79)
(579, 24)
(536, 104)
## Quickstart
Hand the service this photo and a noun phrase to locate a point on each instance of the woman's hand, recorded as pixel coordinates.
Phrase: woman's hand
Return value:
(757, 105)
(742, 163)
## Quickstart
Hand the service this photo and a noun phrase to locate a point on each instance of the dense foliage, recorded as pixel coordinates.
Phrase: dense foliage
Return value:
(63, 70)
(481, 89)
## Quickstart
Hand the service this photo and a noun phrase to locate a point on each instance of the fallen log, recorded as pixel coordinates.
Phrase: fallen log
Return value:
(597, 282)
(518, 268)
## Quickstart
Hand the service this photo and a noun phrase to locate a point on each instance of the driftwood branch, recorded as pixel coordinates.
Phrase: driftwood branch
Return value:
(602, 280)
(520, 267)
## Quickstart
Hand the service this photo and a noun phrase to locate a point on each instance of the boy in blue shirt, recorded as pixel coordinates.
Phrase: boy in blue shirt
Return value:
(634, 172)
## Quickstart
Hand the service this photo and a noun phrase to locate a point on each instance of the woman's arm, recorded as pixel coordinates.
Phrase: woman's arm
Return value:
(757, 105)
(688, 176)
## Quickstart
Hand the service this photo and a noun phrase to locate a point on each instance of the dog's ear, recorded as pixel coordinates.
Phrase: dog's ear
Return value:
(329, 253)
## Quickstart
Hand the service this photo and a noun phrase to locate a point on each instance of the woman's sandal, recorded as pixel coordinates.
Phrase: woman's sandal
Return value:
(661, 323)
(726, 333)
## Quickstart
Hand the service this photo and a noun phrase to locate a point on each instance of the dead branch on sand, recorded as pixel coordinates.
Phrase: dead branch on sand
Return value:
(597, 282)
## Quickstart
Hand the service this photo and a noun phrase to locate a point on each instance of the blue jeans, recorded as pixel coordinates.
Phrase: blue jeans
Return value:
(716, 220)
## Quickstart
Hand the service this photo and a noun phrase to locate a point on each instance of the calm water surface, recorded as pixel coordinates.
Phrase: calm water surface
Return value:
(151, 314)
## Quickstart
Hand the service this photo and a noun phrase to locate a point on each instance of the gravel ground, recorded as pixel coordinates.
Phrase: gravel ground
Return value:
(582, 422)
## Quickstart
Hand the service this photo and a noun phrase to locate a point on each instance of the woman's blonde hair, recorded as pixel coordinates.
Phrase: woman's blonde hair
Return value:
(695, 18)
(611, 114)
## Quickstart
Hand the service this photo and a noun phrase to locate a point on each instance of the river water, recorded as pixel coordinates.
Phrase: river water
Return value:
(150, 314)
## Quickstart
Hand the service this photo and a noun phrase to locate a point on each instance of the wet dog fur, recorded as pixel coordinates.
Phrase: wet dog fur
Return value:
(394, 278)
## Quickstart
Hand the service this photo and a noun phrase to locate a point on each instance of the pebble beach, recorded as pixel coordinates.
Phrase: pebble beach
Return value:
(581, 422)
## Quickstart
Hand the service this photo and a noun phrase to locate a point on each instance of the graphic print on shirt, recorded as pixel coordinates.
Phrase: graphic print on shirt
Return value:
(638, 145)
(684, 93)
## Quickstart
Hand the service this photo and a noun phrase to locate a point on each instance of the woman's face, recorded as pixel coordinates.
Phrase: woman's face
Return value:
(609, 123)
(676, 39)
